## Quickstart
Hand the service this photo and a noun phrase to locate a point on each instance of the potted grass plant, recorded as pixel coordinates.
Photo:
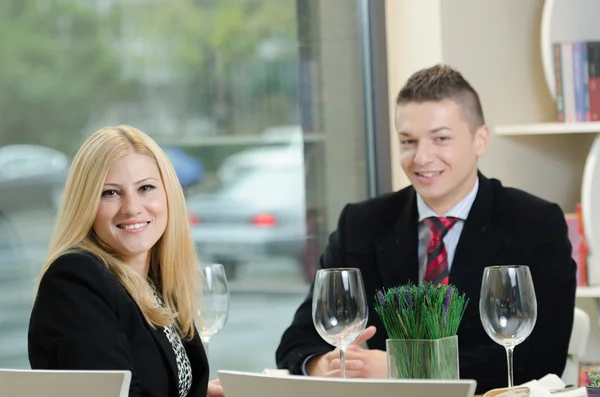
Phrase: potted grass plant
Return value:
(421, 323)
(593, 387)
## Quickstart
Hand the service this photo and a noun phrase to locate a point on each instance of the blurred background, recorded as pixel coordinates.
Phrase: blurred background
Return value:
(265, 108)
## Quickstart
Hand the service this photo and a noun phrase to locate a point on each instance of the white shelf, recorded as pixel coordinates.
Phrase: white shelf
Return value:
(548, 128)
(588, 292)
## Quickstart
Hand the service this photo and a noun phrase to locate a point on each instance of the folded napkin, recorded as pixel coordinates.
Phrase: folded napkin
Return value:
(276, 372)
(548, 386)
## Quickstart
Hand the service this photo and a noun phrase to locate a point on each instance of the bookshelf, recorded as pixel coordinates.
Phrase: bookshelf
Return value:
(588, 292)
(566, 21)
(548, 128)
(562, 21)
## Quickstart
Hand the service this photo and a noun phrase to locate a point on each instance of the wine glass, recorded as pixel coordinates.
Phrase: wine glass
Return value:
(508, 309)
(339, 308)
(213, 305)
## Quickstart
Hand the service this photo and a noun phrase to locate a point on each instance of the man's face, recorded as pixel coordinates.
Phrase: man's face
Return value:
(439, 152)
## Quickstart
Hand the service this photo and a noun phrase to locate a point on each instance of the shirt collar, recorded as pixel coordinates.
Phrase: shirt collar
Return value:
(460, 210)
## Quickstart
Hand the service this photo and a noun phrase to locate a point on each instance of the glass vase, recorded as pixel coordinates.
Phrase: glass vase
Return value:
(422, 358)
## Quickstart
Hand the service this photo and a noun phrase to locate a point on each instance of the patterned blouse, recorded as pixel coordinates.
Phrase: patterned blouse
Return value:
(184, 369)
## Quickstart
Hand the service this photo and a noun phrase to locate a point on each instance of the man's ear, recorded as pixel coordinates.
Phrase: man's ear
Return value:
(481, 140)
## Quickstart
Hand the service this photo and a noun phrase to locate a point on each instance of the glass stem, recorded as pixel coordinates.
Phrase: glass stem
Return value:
(205, 344)
(343, 361)
(509, 361)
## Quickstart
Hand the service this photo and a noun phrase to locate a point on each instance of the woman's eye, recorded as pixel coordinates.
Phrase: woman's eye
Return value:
(109, 193)
(146, 188)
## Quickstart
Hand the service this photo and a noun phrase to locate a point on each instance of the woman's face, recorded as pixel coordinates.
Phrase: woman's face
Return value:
(132, 215)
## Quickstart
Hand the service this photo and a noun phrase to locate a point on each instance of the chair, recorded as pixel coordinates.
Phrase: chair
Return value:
(30, 383)
(577, 345)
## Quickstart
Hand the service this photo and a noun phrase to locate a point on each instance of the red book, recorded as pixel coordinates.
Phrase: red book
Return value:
(579, 245)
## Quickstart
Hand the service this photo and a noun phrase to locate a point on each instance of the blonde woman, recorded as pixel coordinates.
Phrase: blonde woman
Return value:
(118, 288)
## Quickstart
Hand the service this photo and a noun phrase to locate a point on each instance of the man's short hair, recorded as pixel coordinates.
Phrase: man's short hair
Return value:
(441, 82)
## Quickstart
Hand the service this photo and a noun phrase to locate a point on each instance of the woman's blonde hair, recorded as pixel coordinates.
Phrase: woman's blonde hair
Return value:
(173, 262)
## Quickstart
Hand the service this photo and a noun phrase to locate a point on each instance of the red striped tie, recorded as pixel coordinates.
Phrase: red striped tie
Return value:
(437, 257)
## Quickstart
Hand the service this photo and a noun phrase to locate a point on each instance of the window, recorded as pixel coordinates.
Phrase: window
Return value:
(259, 105)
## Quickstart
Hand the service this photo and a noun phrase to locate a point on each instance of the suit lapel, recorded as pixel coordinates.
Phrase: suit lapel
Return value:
(165, 348)
(481, 237)
(196, 355)
(167, 351)
(199, 363)
(397, 250)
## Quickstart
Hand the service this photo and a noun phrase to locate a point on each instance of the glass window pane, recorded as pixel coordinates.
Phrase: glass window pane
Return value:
(257, 103)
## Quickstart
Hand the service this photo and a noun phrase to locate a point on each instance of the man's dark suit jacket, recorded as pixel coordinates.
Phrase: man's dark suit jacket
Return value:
(83, 319)
(505, 227)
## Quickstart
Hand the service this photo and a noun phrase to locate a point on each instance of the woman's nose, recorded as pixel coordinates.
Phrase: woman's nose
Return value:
(131, 205)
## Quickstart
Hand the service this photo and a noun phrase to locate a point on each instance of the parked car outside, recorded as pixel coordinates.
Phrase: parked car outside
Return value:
(31, 177)
(261, 213)
(261, 159)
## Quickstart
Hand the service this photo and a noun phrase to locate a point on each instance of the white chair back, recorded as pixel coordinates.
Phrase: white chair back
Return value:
(36, 383)
(577, 345)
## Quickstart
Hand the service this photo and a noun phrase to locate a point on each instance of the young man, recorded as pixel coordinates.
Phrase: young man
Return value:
(442, 134)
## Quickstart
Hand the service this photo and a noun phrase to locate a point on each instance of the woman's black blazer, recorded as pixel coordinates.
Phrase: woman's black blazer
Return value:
(83, 319)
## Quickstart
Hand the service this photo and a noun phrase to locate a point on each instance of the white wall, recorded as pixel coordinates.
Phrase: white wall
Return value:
(414, 41)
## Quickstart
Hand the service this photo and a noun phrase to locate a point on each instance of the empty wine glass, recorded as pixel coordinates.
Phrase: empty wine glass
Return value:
(339, 308)
(213, 305)
(508, 309)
